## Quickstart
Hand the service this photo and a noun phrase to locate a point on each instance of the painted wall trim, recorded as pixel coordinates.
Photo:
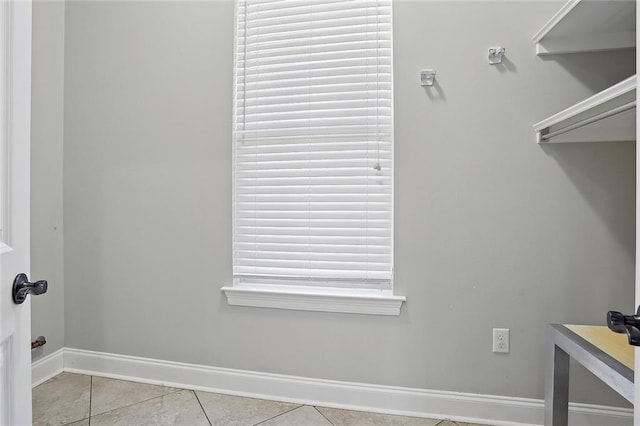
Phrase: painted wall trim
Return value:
(47, 367)
(477, 408)
(354, 302)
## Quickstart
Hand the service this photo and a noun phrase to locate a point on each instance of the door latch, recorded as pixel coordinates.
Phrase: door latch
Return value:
(22, 287)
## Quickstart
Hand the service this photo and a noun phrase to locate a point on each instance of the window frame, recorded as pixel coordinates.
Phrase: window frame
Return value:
(347, 299)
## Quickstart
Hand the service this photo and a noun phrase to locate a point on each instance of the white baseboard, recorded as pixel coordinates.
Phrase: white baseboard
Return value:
(47, 367)
(466, 407)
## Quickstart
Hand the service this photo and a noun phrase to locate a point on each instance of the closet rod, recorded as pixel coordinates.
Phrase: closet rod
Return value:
(598, 117)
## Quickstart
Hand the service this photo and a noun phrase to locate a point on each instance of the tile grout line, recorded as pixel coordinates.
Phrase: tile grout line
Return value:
(322, 414)
(281, 414)
(441, 422)
(90, 397)
(202, 407)
(140, 402)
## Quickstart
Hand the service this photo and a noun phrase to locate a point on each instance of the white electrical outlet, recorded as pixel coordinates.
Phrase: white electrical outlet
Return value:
(501, 340)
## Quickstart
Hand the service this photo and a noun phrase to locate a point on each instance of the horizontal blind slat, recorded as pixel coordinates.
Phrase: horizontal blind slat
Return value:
(325, 55)
(317, 215)
(251, 37)
(310, 38)
(314, 223)
(293, 247)
(318, 128)
(306, 272)
(358, 88)
(317, 65)
(303, 9)
(321, 256)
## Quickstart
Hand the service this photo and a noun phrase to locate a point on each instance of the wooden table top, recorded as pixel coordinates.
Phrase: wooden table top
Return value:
(613, 344)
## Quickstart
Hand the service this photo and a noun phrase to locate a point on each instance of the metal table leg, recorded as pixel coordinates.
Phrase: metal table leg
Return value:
(556, 392)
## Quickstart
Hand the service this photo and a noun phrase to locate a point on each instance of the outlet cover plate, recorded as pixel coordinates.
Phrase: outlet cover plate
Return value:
(501, 340)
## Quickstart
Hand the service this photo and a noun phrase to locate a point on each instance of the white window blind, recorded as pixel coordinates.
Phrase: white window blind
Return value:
(313, 127)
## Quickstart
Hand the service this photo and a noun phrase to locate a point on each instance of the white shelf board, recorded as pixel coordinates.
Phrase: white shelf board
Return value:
(620, 127)
(589, 26)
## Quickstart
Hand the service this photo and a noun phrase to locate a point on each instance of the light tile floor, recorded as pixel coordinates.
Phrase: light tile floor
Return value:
(74, 399)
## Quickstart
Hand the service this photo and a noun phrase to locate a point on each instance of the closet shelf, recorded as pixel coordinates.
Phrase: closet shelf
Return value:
(608, 116)
(588, 26)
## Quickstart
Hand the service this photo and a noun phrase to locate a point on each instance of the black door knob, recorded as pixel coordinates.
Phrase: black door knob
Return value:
(629, 324)
(22, 287)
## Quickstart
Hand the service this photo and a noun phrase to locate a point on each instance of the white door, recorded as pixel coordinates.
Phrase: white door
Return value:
(15, 110)
(636, 381)
(636, 403)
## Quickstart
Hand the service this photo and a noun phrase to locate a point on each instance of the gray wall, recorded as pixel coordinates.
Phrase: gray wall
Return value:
(46, 172)
(492, 230)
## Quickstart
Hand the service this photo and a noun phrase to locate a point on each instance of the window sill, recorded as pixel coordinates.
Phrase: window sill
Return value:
(371, 302)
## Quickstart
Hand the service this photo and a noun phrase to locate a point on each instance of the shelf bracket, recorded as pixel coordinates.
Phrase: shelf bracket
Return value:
(495, 55)
(427, 77)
